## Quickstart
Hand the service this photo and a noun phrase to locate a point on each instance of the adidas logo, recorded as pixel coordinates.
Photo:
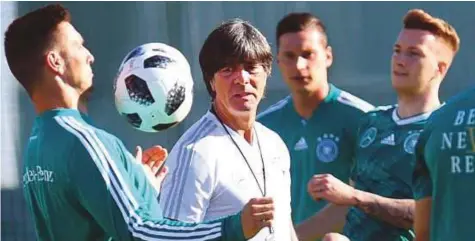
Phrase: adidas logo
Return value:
(301, 144)
(389, 140)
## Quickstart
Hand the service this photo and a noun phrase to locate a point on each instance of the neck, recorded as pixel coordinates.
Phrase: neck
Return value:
(411, 105)
(52, 97)
(241, 124)
(306, 102)
(82, 105)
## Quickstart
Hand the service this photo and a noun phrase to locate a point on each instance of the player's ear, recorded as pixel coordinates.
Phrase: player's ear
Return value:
(442, 68)
(55, 62)
(212, 84)
(329, 56)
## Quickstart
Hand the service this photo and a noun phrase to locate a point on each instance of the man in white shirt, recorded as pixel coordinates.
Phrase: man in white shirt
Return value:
(227, 158)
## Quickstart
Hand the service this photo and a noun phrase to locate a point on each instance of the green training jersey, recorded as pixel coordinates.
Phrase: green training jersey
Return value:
(445, 169)
(384, 167)
(324, 143)
(81, 183)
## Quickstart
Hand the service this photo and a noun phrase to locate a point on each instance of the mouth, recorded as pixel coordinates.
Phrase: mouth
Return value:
(244, 95)
(400, 73)
(302, 78)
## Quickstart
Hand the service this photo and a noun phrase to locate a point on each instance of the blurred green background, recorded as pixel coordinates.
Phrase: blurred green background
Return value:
(361, 33)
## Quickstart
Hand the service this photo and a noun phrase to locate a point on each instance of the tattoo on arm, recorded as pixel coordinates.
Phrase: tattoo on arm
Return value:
(398, 212)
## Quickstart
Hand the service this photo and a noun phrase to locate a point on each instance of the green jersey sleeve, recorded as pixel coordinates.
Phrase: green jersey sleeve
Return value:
(113, 189)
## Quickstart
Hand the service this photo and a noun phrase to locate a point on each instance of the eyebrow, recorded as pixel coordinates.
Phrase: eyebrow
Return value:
(410, 48)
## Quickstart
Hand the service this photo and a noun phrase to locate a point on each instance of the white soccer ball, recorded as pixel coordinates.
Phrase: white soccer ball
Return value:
(154, 87)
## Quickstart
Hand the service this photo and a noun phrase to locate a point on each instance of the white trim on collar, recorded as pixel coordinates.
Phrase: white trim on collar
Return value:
(409, 120)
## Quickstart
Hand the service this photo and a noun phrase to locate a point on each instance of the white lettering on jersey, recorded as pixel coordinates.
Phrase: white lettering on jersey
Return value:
(37, 174)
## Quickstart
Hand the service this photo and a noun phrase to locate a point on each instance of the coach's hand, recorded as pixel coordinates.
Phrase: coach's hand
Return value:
(152, 159)
(258, 213)
(332, 189)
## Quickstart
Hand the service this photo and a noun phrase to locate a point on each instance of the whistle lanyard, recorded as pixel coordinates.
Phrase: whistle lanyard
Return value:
(262, 190)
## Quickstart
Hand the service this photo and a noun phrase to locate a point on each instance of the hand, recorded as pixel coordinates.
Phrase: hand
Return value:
(152, 159)
(326, 186)
(258, 213)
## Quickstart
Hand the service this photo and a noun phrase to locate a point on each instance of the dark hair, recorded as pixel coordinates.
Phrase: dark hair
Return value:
(27, 38)
(418, 19)
(231, 43)
(296, 22)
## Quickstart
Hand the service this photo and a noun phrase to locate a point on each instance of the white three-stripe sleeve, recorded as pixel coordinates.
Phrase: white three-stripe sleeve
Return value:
(187, 190)
(105, 190)
(187, 199)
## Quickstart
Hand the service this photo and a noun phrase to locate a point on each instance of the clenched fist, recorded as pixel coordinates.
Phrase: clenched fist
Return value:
(258, 213)
(332, 189)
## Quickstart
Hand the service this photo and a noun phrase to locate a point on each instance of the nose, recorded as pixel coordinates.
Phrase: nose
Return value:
(399, 59)
(301, 63)
(90, 57)
(243, 77)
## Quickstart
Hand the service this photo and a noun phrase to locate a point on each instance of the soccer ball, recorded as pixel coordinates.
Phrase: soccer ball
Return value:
(154, 87)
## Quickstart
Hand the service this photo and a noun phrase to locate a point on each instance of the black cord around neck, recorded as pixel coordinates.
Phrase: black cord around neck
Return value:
(262, 190)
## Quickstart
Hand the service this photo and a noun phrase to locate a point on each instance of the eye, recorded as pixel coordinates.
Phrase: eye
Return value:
(308, 54)
(289, 55)
(226, 71)
(253, 68)
(413, 53)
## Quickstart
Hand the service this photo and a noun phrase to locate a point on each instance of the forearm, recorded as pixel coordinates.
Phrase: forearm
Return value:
(398, 212)
(330, 219)
(422, 219)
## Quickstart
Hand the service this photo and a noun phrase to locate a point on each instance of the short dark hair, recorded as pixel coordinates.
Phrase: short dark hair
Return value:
(27, 38)
(231, 43)
(296, 22)
(419, 19)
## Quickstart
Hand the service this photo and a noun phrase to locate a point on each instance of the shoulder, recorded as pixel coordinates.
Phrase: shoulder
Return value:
(90, 147)
(382, 110)
(198, 132)
(352, 103)
(462, 97)
(269, 134)
(274, 111)
(272, 139)
(198, 142)
(377, 115)
(83, 133)
(461, 101)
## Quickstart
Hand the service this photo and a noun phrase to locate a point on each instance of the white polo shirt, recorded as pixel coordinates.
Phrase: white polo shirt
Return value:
(209, 178)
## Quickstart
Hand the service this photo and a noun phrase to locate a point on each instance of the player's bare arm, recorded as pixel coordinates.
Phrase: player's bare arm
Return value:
(422, 219)
(331, 218)
(398, 212)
